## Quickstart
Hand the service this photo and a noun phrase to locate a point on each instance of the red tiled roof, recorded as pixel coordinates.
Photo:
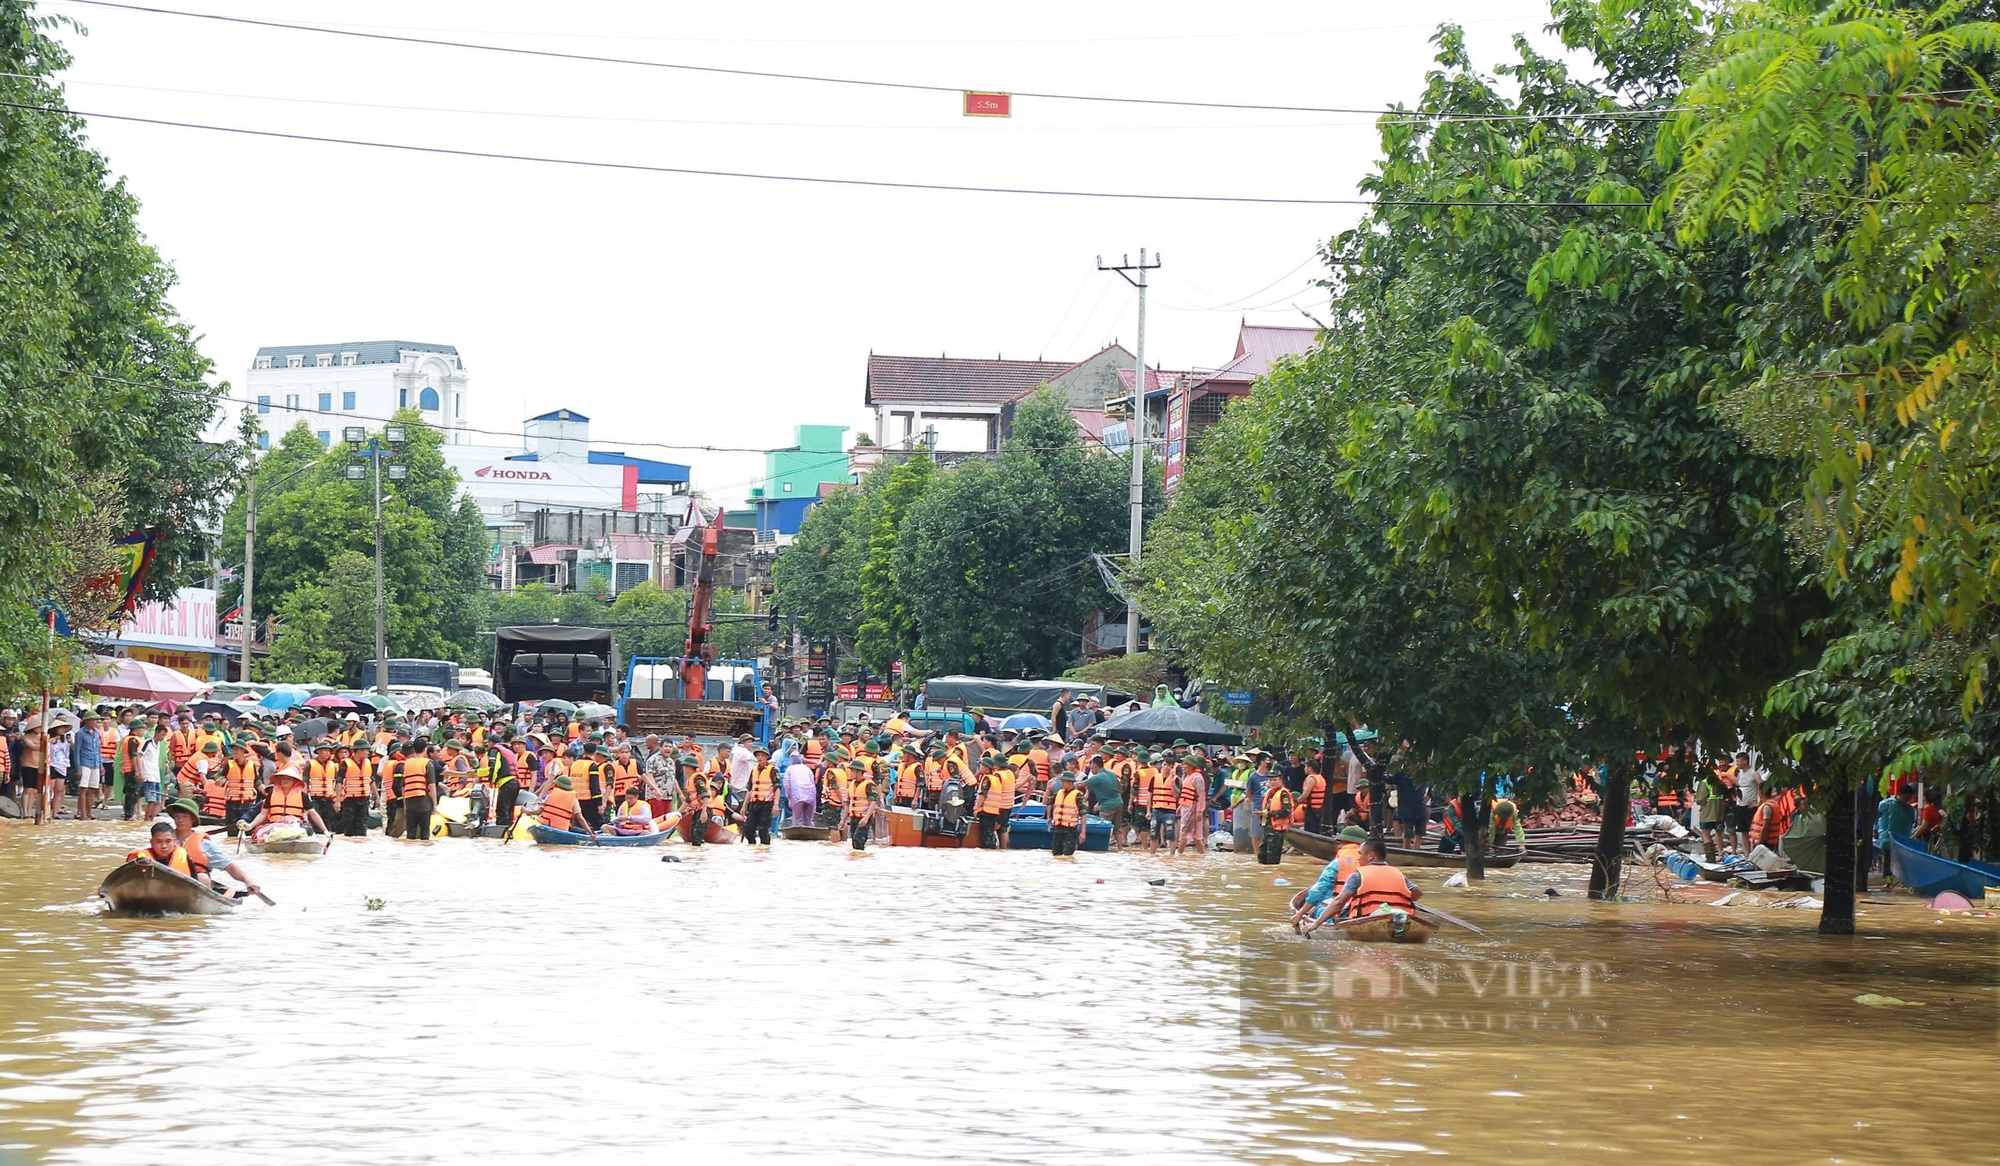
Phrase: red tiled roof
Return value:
(1158, 380)
(954, 380)
(636, 547)
(547, 556)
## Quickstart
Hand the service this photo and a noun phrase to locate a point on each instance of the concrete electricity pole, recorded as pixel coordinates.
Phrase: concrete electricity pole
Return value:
(1135, 274)
(377, 449)
(249, 569)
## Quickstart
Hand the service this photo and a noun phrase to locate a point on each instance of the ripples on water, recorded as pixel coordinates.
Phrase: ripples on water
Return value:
(807, 1002)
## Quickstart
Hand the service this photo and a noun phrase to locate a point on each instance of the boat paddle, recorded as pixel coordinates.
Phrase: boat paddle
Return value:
(1448, 918)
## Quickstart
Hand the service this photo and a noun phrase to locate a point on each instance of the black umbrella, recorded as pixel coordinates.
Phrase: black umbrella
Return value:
(227, 713)
(1168, 723)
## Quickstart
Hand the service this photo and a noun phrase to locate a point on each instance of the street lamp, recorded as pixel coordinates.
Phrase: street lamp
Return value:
(377, 451)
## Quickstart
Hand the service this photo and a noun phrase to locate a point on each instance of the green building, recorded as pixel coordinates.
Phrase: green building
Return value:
(793, 477)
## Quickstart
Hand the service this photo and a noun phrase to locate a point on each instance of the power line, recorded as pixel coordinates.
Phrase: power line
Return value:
(857, 82)
(873, 183)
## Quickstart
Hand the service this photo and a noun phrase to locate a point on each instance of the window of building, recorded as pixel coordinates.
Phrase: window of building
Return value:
(324, 360)
(292, 400)
(347, 401)
(428, 401)
(326, 402)
(264, 404)
(326, 438)
(402, 398)
(458, 407)
(262, 362)
(788, 487)
(347, 359)
(263, 441)
(295, 362)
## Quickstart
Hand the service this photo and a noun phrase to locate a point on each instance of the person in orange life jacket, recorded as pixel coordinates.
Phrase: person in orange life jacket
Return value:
(204, 855)
(1065, 815)
(323, 779)
(286, 801)
(352, 783)
(996, 801)
(1313, 798)
(416, 781)
(239, 783)
(1346, 860)
(587, 774)
(1374, 885)
(634, 815)
(561, 810)
(1276, 807)
(760, 798)
(162, 847)
(860, 803)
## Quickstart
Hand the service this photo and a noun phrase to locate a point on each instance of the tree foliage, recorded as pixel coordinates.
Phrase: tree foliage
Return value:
(984, 568)
(434, 542)
(104, 391)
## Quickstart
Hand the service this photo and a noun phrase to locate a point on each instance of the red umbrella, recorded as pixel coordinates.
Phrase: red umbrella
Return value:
(329, 701)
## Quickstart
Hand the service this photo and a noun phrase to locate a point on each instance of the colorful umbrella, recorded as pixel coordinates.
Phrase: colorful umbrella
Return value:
(118, 676)
(330, 701)
(473, 698)
(1025, 721)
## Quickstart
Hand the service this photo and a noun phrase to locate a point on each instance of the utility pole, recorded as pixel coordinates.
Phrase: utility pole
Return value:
(376, 450)
(1135, 274)
(249, 569)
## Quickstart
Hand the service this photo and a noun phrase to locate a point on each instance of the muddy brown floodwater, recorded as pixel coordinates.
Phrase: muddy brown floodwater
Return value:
(510, 1001)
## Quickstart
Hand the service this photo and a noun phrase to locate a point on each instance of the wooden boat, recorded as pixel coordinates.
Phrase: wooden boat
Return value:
(1381, 929)
(145, 887)
(305, 847)
(1495, 859)
(806, 833)
(550, 836)
(1375, 928)
(1927, 874)
(1320, 846)
(908, 827)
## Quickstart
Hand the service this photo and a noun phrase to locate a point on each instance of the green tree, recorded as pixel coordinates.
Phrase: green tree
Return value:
(104, 390)
(888, 630)
(328, 625)
(818, 575)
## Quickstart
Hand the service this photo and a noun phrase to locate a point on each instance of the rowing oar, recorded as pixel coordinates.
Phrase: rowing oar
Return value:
(267, 899)
(1448, 918)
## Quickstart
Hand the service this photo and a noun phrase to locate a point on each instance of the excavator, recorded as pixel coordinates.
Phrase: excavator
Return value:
(670, 695)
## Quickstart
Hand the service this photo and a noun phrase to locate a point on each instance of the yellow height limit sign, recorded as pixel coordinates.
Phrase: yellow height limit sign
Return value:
(979, 104)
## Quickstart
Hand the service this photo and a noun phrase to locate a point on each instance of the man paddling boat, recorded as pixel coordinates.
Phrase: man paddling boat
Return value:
(1376, 886)
(1346, 860)
(204, 855)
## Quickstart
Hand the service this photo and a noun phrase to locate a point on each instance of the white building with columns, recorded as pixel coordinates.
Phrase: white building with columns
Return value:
(331, 386)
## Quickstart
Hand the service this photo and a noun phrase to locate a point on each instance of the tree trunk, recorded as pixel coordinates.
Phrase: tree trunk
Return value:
(1836, 916)
(1606, 866)
(1475, 833)
(1865, 838)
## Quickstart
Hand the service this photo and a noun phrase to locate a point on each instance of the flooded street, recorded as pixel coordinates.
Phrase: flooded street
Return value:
(510, 1001)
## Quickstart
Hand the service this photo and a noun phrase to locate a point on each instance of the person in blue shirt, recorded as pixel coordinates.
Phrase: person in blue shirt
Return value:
(1895, 816)
(87, 765)
(1346, 860)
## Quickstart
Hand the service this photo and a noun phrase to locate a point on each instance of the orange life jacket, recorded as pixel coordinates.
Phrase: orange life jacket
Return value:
(413, 778)
(1765, 830)
(1067, 809)
(764, 783)
(1315, 791)
(1191, 791)
(906, 780)
(861, 791)
(933, 776)
(833, 787)
(560, 809)
(999, 792)
(1039, 758)
(180, 743)
(625, 777)
(242, 782)
(1278, 805)
(815, 749)
(1380, 883)
(177, 861)
(353, 779)
(319, 778)
(287, 800)
(1142, 788)
(214, 797)
(1346, 860)
(589, 779)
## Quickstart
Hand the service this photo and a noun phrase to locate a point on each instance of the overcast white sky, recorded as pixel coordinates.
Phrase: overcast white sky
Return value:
(684, 311)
